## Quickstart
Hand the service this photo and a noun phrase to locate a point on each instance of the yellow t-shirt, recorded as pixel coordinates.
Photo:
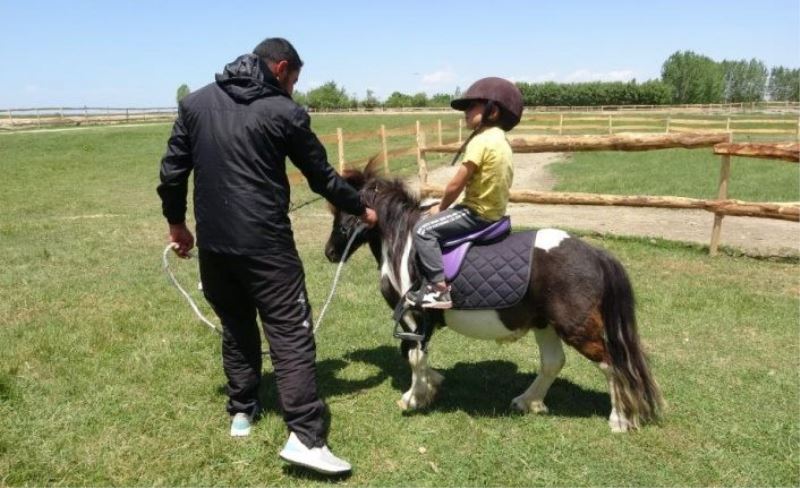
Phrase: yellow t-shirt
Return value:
(487, 191)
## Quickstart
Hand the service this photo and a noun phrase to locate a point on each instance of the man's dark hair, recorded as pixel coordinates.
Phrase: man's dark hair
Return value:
(277, 49)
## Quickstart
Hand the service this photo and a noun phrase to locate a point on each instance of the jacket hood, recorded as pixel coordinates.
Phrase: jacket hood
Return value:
(248, 78)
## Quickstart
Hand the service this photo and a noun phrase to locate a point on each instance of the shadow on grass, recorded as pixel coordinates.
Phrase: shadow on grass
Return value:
(482, 388)
(486, 388)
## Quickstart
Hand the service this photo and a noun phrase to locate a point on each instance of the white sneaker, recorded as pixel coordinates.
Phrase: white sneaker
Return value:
(320, 459)
(240, 425)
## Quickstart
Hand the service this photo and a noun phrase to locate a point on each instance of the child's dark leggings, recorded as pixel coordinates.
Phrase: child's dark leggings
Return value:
(448, 224)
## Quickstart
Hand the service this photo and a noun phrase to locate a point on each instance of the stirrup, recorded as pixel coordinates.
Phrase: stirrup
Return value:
(399, 311)
(399, 333)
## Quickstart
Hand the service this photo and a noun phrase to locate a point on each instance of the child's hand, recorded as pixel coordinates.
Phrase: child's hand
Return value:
(434, 210)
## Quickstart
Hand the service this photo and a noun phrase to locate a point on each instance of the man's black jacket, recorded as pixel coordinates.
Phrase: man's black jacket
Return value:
(236, 134)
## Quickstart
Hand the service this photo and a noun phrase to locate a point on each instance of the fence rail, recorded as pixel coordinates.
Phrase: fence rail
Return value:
(721, 206)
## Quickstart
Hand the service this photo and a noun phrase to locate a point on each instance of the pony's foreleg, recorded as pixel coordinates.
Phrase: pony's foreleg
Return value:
(617, 420)
(551, 354)
(425, 381)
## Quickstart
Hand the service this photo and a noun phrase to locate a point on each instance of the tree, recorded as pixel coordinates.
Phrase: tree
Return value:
(183, 90)
(784, 84)
(328, 96)
(693, 78)
(300, 98)
(371, 101)
(398, 100)
(419, 100)
(440, 100)
(745, 81)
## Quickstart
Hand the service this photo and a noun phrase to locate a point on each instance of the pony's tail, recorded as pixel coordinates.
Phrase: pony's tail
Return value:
(635, 390)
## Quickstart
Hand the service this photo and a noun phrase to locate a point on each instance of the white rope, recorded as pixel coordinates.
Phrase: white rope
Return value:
(358, 230)
(216, 329)
(188, 298)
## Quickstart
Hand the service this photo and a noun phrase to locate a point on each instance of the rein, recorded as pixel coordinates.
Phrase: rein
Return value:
(165, 263)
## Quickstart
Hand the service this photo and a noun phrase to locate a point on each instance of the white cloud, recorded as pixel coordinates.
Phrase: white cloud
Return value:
(578, 76)
(587, 75)
(551, 76)
(439, 77)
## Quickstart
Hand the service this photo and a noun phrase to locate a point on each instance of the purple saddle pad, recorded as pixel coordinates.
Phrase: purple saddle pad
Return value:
(454, 250)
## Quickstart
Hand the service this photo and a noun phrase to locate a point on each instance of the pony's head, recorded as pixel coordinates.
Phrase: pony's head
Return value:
(391, 200)
(344, 224)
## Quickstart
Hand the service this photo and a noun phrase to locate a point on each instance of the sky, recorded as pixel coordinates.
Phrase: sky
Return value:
(122, 53)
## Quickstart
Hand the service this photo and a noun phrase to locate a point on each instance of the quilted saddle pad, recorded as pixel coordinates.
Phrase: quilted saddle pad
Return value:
(496, 275)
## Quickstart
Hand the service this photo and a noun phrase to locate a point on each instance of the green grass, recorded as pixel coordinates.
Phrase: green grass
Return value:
(106, 378)
(677, 172)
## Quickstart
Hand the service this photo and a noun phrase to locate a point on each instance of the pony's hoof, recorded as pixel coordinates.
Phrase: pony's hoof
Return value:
(519, 404)
(408, 402)
(619, 424)
(435, 378)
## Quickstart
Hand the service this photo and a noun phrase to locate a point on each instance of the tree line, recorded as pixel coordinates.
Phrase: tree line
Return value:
(686, 78)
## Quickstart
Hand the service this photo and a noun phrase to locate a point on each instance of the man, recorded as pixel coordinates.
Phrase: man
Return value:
(236, 134)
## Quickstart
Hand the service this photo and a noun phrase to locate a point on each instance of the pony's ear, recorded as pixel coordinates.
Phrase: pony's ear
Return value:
(374, 166)
(355, 177)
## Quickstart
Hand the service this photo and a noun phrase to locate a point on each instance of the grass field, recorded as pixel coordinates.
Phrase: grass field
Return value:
(106, 378)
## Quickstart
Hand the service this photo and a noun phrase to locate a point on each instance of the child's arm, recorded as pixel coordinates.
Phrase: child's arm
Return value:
(456, 186)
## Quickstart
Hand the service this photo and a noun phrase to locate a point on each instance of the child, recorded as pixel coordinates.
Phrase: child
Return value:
(491, 107)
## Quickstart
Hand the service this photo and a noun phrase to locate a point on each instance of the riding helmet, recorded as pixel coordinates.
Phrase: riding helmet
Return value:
(498, 90)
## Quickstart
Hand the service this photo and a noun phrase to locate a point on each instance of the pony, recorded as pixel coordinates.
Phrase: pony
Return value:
(577, 294)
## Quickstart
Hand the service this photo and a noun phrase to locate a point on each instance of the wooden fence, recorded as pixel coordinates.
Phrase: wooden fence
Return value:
(564, 122)
(721, 142)
(383, 135)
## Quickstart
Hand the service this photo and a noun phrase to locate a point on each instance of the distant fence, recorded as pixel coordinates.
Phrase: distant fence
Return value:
(12, 118)
(721, 206)
(563, 123)
(701, 107)
(37, 117)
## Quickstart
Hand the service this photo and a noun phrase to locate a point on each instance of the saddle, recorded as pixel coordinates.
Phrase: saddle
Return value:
(455, 250)
(488, 269)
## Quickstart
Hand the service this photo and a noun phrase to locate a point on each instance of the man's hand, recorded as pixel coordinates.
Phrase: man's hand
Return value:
(181, 236)
(370, 218)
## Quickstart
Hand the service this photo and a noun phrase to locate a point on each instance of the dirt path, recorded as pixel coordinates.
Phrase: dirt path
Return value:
(753, 236)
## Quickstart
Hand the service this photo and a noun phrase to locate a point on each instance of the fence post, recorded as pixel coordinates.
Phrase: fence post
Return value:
(385, 149)
(10, 117)
(423, 166)
(127, 115)
(610, 128)
(461, 122)
(439, 128)
(668, 118)
(560, 124)
(85, 114)
(722, 194)
(728, 125)
(340, 143)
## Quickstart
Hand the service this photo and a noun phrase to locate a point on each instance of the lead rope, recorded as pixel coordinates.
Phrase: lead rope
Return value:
(165, 262)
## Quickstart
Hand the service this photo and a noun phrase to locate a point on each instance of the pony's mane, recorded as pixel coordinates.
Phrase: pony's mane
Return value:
(396, 205)
(387, 191)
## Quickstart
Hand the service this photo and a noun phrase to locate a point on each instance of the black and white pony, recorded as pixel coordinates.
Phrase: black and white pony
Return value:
(576, 294)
